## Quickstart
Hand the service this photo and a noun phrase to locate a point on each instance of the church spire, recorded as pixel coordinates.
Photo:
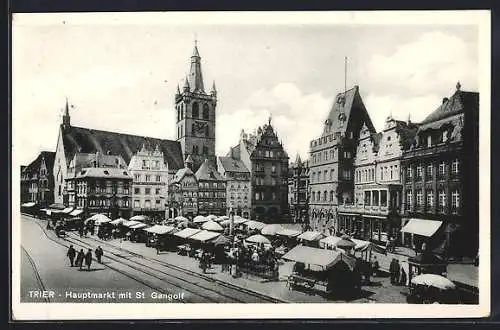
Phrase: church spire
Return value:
(195, 76)
(66, 117)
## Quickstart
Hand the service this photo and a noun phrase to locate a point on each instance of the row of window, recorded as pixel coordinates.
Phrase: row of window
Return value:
(147, 204)
(429, 170)
(153, 164)
(261, 181)
(147, 178)
(195, 111)
(103, 202)
(429, 198)
(147, 191)
(207, 185)
(323, 176)
(268, 153)
(238, 196)
(371, 198)
(259, 167)
(196, 150)
(263, 196)
(325, 155)
(325, 197)
(206, 205)
(212, 194)
(385, 173)
(98, 190)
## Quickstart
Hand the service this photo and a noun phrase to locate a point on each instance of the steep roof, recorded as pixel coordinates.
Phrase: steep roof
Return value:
(97, 172)
(234, 152)
(49, 157)
(181, 173)
(457, 103)
(233, 165)
(207, 172)
(85, 140)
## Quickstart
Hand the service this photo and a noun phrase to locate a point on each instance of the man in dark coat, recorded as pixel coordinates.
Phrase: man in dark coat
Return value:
(98, 254)
(88, 259)
(79, 258)
(71, 254)
(397, 272)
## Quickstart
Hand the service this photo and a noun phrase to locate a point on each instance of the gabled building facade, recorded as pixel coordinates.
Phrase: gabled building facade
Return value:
(267, 160)
(238, 186)
(150, 183)
(375, 212)
(211, 190)
(331, 165)
(298, 190)
(183, 192)
(37, 180)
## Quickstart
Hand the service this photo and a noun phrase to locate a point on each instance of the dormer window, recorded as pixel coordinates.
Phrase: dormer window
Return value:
(445, 136)
(106, 172)
(429, 141)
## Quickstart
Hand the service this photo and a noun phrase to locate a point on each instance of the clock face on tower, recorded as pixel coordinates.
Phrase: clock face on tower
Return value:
(200, 128)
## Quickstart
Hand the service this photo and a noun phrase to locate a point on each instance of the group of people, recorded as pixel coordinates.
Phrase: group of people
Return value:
(397, 273)
(78, 259)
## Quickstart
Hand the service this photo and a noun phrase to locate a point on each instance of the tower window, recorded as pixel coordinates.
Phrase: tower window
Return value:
(205, 111)
(205, 150)
(195, 150)
(196, 110)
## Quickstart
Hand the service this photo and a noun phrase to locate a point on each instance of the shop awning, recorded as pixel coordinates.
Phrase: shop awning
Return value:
(29, 204)
(422, 227)
(187, 232)
(204, 236)
(289, 232)
(130, 223)
(76, 213)
(314, 256)
(311, 236)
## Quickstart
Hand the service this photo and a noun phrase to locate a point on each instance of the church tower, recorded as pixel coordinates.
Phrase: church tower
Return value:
(196, 115)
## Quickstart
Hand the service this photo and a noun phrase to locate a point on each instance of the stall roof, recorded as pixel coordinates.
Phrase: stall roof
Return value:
(67, 210)
(118, 221)
(204, 235)
(138, 225)
(330, 240)
(313, 256)
(187, 232)
(76, 212)
(130, 223)
(289, 232)
(252, 224)
(29, 204)
(422, 227)
(160, 229)
(310, 236)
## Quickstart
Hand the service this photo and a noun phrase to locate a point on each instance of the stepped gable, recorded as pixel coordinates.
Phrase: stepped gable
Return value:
(85, 140)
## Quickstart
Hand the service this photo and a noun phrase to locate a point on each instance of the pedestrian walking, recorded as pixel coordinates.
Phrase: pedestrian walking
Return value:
(98, 254)
(71, 254)
(88, 259)
(375, 266)
(397, 272)
(79, 258)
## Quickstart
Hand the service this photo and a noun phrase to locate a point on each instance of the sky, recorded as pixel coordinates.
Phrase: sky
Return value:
(123, 77)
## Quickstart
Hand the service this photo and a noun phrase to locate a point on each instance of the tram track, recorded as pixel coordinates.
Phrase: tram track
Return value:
(212, 296)
(209, 279)
(38, 278)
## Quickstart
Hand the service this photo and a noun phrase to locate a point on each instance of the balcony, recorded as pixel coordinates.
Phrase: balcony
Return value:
(364, 209)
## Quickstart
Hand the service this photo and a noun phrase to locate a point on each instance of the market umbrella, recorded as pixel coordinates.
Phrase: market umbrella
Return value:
(271, 230)
(180, 218)
(118, 221)
(222, 218)
(140, 218)
(200, 219)
(212, 226)
(433, 280)
(101, 219)
(252, 224)
(258, 239)
(211, 217)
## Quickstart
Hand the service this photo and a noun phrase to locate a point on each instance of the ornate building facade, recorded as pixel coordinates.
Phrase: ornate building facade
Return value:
(183, 192)
(37, 180)
(440, 178)
(375, 212)
(298, 190)
(331, 165)
(238, 186)
(150, 185)
(98, 183)
(211, 190)
(267, 160)
(196, 116)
